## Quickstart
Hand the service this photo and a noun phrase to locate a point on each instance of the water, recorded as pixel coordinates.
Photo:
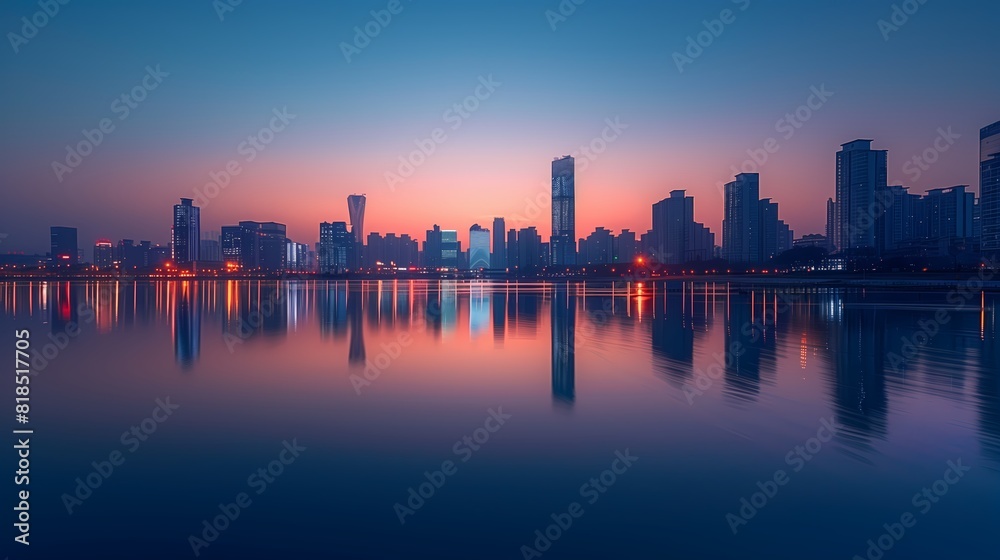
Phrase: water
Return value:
(710, 389)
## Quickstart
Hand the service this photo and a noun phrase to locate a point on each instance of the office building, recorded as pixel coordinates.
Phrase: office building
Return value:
(479, 247)
(104, 254)
(63, 246)
(741, 221)
(563, 242)
(185, 235)
(989, 190)
(336, 247)
(499, 258)
(861, 175)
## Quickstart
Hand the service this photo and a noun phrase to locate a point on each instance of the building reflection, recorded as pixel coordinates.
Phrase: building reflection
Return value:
(355, 314)
(186, 319)
(563, 321)
(746, 328)
(672, 336)
(856, 383)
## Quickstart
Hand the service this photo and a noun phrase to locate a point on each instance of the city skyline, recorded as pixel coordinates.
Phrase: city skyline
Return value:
(672, 128)
(563, 189)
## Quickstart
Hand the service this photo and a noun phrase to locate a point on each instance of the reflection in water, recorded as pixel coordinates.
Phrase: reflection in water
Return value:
(848, 340)
(563, 343)
(186, 321)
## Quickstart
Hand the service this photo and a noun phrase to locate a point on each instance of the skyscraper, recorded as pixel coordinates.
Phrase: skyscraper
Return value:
(261, 246)
(741, 220)
(63, 246)
(989, 189)
(768, 228)
(831, 220)
(336, 246)
(861, 177)
(479, 247)
(185, 236)
(356, 210)
(499, 259)
(563, 246)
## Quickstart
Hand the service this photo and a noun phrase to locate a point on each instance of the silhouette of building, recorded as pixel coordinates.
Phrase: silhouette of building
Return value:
(211, 247)
(563, 242)
(626, 247)
(104, 254)
(989, 189)
(336, 247)
(677, 238)
(741, 221)
(861, 175)
(529, 250)
(512, 260)
(356, 210)
(479, 247)
(831, 220)
(230, 241)
(185, 235)
(597, 248)
(261, 246)
(63, 246)
(499, 258)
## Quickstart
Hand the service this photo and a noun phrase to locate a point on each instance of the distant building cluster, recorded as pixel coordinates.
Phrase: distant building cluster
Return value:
(871, 225)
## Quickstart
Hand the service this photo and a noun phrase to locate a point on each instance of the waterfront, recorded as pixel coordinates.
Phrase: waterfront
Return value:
(712, 389)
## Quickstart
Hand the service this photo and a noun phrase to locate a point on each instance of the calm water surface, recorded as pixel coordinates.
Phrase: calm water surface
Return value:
(714, 391)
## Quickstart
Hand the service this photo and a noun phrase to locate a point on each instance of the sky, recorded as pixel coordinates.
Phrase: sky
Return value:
(617, 84)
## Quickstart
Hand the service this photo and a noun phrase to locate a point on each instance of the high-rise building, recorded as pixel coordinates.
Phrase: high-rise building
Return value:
(441, 248)
(741, 221)
(479, 247)
(63, 246)
(104, 254)
(563, 245)
(336, 247)
(676, 237)
(989, 190)
(230, 243)
(261, 246)
(598, 247)
(786, 237)
(625, 247)
(945, 214)
(185, 235)
(512, 261)
(529, 250)
(861, 176)
(356, 210)
(499, 258)
(768, 227)
(897, 223)
(831, 220)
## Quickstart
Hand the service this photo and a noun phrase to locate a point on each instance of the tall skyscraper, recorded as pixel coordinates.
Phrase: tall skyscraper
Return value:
(356, 210)
(563, 245)
(63, 246)
(741, 220)
(672, 219)
(989, 190)
(831, 220)
(861, 176)
(185, 236)
(479, 247)
(512, 261)
(499, 259)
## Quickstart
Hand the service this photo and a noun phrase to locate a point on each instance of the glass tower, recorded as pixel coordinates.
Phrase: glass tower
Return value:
(563, 247)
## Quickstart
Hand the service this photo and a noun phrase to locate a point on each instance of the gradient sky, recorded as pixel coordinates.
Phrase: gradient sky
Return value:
(686, 130)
